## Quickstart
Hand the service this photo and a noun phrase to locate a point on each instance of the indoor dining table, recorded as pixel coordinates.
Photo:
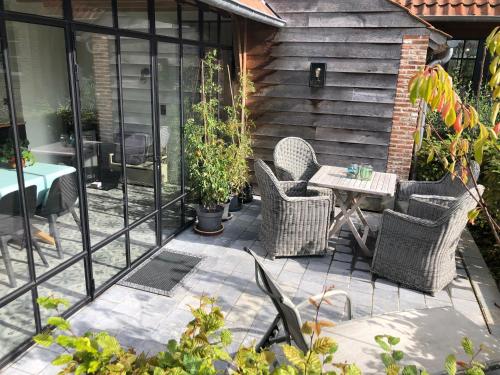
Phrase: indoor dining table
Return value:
(350, 193)
(42, 175)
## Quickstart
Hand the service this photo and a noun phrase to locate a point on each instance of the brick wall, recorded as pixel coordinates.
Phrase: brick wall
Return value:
(404, 120)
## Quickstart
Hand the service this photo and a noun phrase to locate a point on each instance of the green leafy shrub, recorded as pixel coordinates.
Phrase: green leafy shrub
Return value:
(432, 168)
(203, 350)
(206, 151)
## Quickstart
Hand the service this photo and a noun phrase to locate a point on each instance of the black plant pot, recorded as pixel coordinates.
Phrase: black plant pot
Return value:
(209, 221)
(235, 203)
(247, 194)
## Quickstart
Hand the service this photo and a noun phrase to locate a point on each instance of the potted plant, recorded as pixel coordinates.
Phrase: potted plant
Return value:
(206, 151)
(240, 145)
(8, 155)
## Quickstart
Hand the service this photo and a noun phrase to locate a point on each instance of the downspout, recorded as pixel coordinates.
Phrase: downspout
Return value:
(422, 114)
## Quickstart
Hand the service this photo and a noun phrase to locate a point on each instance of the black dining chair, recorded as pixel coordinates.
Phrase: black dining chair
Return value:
(61, 200)
(12, 226)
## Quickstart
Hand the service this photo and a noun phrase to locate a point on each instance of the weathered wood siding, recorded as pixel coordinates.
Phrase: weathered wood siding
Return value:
(350, 119)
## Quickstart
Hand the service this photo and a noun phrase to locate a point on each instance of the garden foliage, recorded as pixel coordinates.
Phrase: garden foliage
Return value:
(203, 349)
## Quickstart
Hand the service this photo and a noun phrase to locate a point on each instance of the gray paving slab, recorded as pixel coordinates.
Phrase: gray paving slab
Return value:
(145, 320)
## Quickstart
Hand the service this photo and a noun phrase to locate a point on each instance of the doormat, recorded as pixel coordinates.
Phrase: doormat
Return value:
(162, 273)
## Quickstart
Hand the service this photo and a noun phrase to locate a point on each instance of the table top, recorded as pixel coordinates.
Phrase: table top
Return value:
(381, 184)
(40, 174)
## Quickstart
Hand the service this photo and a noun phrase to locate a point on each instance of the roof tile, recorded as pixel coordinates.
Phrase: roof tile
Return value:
(453, 7)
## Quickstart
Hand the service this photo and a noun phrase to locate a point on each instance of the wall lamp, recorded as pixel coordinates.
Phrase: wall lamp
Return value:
(317, 75)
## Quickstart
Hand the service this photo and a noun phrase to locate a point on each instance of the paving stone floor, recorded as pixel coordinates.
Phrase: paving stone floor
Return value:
(147, 321)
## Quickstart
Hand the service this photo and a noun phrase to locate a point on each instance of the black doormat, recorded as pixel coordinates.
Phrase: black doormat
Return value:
(162, 272)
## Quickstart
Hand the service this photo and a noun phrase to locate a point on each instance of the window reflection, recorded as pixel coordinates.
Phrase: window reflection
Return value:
(210, 28)
(170, 134)
(47, 138)
(133, 15)
(137, 127)
(52, 8)
(166, 18)
(97, 12)
(190, 19)
(96, 58)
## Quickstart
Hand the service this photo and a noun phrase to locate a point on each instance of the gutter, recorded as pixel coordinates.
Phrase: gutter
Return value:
(235, 7)
(470, 18)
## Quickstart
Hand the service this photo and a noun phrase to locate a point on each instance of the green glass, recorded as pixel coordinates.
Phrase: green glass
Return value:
(365, 172)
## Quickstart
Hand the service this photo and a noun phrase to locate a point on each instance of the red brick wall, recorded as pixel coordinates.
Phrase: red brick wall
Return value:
(404, 120)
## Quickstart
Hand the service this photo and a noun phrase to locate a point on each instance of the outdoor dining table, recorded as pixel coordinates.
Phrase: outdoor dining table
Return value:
(42, 175)
(350, 193)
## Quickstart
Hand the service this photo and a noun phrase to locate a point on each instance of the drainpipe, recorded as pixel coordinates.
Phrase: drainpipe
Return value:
(424, 108)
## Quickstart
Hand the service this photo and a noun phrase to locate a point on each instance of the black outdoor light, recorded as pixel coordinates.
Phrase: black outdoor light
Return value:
(317, 75)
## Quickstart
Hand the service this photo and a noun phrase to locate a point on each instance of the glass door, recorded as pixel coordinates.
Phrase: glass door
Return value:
(170, 137)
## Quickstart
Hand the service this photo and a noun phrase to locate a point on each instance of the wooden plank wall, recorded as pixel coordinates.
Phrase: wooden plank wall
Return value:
(349, 120)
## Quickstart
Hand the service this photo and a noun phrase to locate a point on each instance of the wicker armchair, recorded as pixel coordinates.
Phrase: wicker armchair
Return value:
(443, 187)
(294, 160)
(295, 218)
(418, 249)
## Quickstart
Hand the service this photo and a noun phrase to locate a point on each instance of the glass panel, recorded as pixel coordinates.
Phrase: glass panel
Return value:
(68, 284)
(190, 211)
(171, 219)
(17, 323)
(470, 48)
(98, 12)
(109, 261)
(210, 28)
(226, 31)
(190, 83)
(138, 129)
(190, 20)
(133, 15)
(459, 49)
(191, 78)
(51, 8)
(228, 72)
(170, 133)
(166, 18)
(14, 263)
(142, 239)
(96, 59)
(38, 61)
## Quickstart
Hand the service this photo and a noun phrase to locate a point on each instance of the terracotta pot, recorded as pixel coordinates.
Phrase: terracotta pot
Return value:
(12, 163)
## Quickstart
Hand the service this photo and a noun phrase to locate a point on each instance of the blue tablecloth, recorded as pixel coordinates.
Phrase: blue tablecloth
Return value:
(40, 174)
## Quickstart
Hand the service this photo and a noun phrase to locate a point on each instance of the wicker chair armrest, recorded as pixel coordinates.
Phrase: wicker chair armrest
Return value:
(428, 206)
(294, 188)
(408, 188)
(313, 191)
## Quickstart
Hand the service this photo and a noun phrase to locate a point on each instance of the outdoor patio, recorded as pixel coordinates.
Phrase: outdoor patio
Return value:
(147, 321)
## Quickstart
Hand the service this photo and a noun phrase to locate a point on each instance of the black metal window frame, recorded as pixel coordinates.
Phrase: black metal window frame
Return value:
(70, 28)
(476, 78)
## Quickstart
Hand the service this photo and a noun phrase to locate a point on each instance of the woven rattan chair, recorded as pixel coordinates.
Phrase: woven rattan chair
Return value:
(288, 313)
(418, 249)
(294, 160)
(443, 187)
(295, 218)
